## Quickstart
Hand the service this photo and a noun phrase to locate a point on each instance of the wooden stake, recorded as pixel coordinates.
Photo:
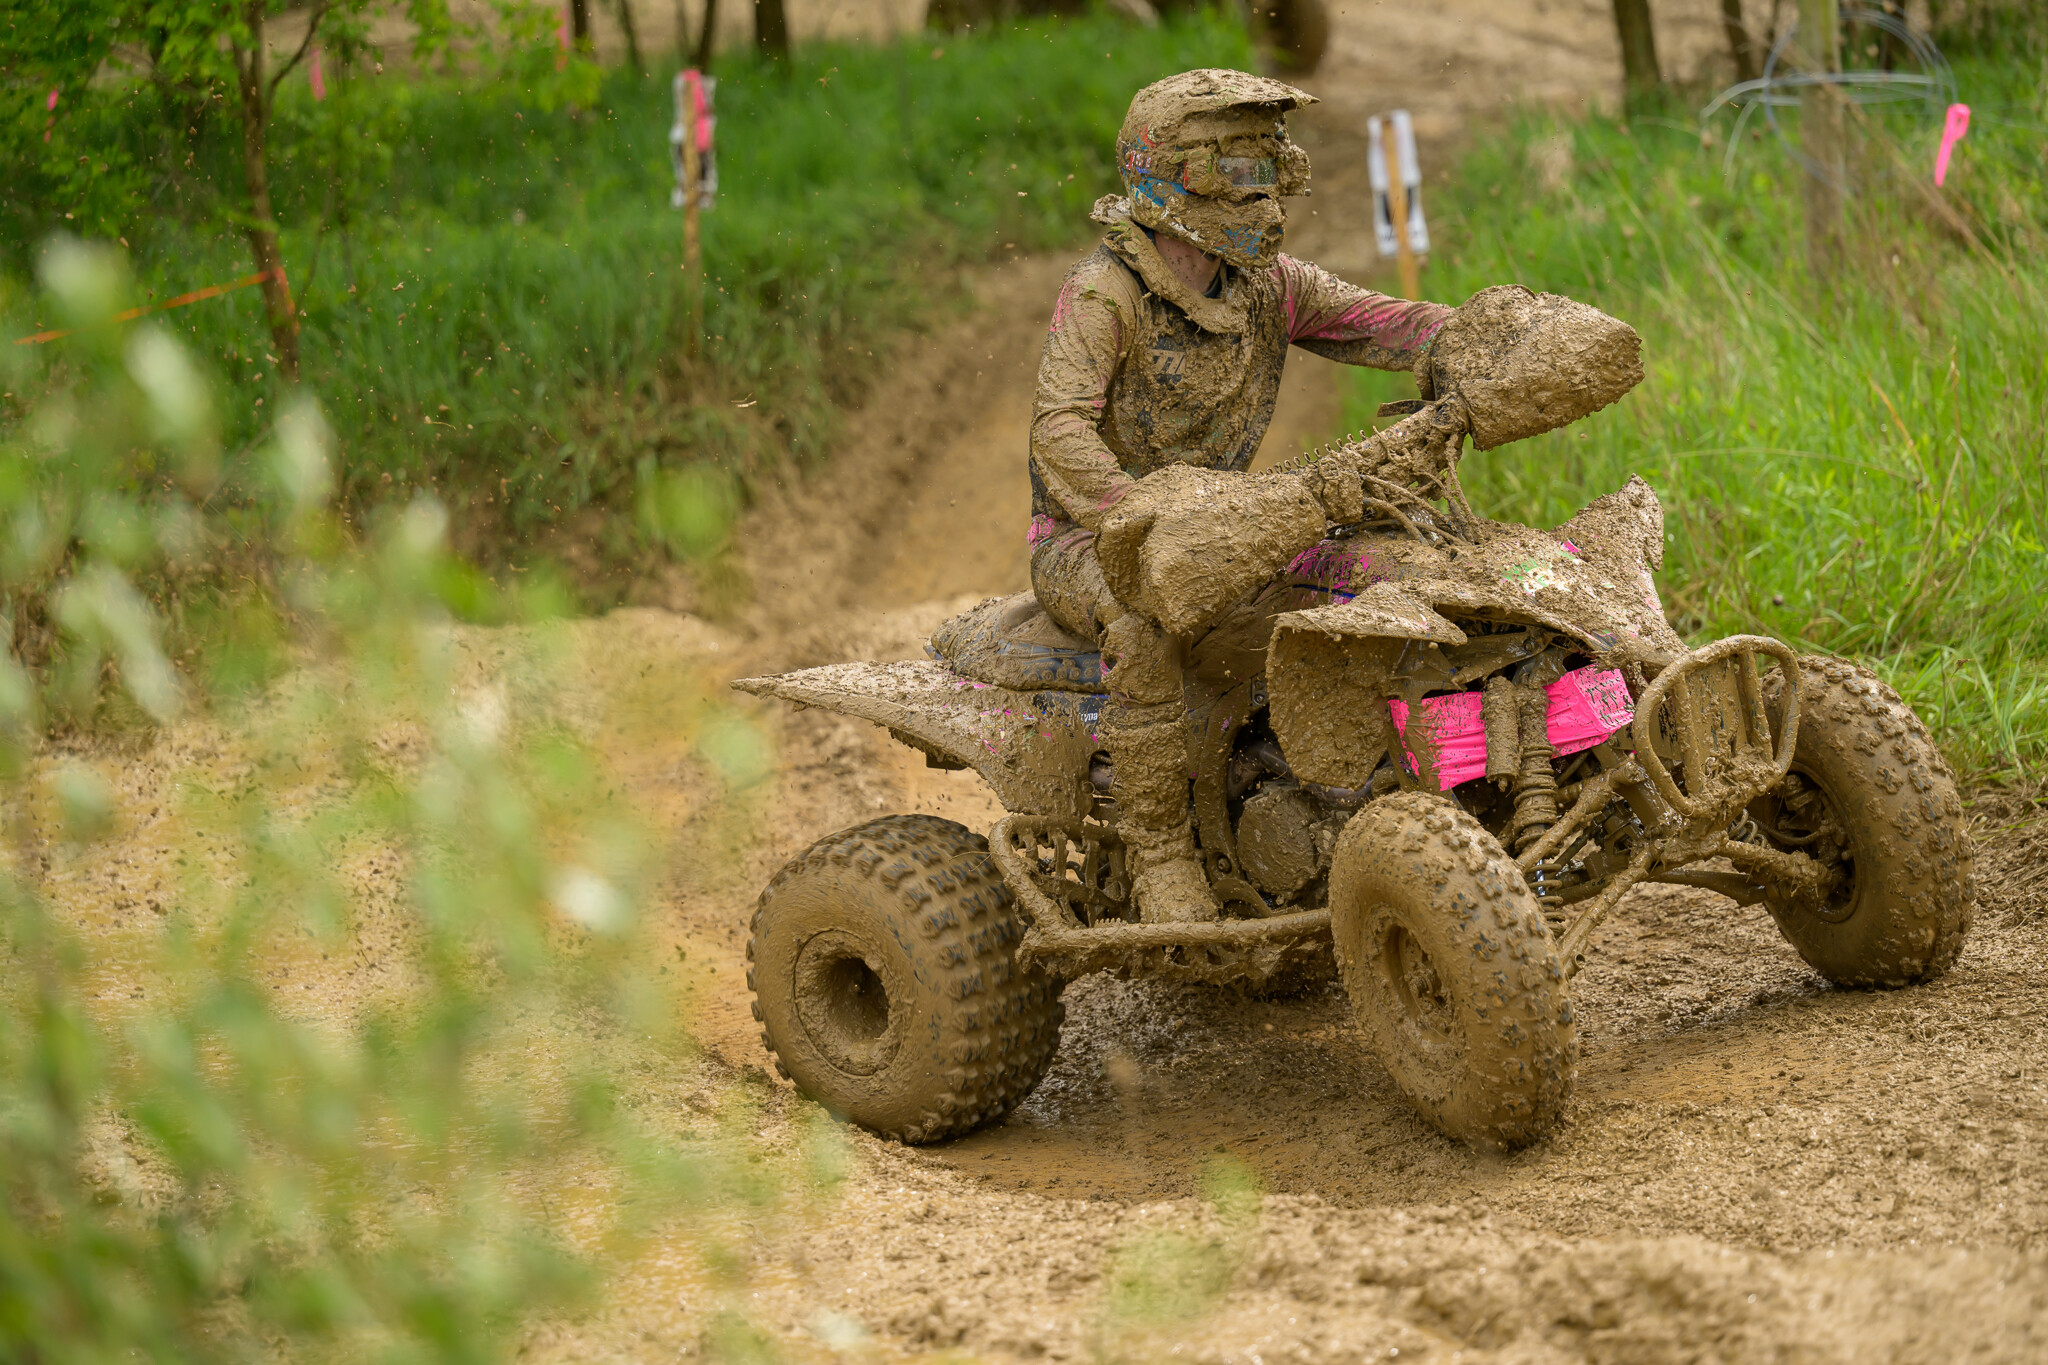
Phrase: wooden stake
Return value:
(1397, 209)
(693, 264)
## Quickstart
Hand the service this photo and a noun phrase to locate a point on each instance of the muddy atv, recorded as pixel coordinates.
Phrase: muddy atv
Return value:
(1429, 753)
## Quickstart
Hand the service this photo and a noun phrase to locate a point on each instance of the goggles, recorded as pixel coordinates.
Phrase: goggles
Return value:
(1266, 172)
(1249, 172)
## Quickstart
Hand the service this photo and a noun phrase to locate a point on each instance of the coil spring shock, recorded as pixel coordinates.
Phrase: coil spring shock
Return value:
(1535, 785)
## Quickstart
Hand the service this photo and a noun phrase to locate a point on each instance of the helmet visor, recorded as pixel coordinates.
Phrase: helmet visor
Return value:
(1249, 172)
(1248, 168)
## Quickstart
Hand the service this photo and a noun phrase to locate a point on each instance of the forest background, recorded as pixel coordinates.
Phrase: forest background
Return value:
(498, 420)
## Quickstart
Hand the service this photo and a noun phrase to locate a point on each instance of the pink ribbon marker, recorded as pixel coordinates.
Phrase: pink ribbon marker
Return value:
(700, 118)
(1951, 133)
(313, 75)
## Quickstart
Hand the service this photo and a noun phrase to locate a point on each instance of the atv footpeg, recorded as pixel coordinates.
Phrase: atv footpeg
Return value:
(1069, 877)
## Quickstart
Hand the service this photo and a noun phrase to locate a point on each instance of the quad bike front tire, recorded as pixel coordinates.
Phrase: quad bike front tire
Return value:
(1451, 970)
(884, 971)
(1870, 795)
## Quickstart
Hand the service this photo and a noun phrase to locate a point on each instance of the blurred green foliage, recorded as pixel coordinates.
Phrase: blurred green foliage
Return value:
(1161, 1282)
(316, 1017)
(489, 266)
(1859, 468)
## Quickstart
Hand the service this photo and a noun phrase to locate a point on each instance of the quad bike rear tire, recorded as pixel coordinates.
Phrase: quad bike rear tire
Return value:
(1451, 970)
(1890, 800)
(884, 971)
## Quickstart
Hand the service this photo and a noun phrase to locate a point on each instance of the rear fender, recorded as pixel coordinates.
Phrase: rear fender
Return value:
(1032, 748)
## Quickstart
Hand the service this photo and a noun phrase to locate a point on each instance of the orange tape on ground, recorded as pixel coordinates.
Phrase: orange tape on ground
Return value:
(211, 291)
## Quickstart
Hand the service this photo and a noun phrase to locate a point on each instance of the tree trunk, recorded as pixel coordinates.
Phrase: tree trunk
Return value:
(1894, 50)
(771, 30)
(254, 107)
(632, 35)
(579, 25)
(1639, 72)
(1740, 45)
(1822, 136)
(707, 37)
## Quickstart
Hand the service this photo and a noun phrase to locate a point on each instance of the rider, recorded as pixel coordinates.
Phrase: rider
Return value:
(1166, 347)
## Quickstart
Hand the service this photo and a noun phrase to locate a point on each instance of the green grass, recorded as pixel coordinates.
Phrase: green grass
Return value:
(1858, 469)
(490, 272)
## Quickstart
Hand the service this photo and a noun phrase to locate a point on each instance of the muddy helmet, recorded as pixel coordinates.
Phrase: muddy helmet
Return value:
(1205, 157)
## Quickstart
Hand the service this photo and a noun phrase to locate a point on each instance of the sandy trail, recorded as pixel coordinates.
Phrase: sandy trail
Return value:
(1755, 1166)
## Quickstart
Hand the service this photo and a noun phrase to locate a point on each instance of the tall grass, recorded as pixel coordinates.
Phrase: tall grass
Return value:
(1861, 467)
(490, 273)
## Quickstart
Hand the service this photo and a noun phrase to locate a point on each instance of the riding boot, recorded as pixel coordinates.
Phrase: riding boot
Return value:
(1144, 727)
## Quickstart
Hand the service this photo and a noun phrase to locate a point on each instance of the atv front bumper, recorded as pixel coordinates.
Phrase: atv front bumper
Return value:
(1703, 748)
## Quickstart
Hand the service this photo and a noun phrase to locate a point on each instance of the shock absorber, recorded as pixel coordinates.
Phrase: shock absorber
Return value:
(1534, 785)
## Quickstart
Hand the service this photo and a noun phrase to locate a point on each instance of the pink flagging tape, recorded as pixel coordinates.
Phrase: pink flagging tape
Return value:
(1951, 133)
(1587, 706)
(700, 118)
(211, 291)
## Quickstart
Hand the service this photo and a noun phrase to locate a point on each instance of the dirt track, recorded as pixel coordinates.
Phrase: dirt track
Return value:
(1755, 1166)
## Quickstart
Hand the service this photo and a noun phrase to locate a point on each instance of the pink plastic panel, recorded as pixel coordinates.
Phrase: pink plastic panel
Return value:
(1586, 706)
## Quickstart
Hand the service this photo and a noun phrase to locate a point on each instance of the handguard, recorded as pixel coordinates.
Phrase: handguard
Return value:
(1186, 543)
(1526, 363)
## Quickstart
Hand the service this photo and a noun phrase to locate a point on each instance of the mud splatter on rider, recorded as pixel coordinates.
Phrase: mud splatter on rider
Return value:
(1166, 347)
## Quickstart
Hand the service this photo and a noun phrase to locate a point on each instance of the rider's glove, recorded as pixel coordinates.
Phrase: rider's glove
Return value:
(1426, 383)
(1339, 488)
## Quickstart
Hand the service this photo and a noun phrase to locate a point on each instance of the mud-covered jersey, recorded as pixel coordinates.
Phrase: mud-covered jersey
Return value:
(1130, 382)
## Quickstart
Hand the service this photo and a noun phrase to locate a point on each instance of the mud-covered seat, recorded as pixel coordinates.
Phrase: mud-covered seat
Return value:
(1011, 642)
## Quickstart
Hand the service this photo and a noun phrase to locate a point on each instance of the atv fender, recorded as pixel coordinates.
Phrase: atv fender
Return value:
(1032, 748)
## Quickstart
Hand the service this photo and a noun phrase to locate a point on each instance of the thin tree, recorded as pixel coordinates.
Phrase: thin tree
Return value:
(1639, 73)
(771, 30)
(256, 91)
(1741, 46)
(579, 24)
(1822, 135)
(707, 37)
(632, 35)
(1894, 49)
